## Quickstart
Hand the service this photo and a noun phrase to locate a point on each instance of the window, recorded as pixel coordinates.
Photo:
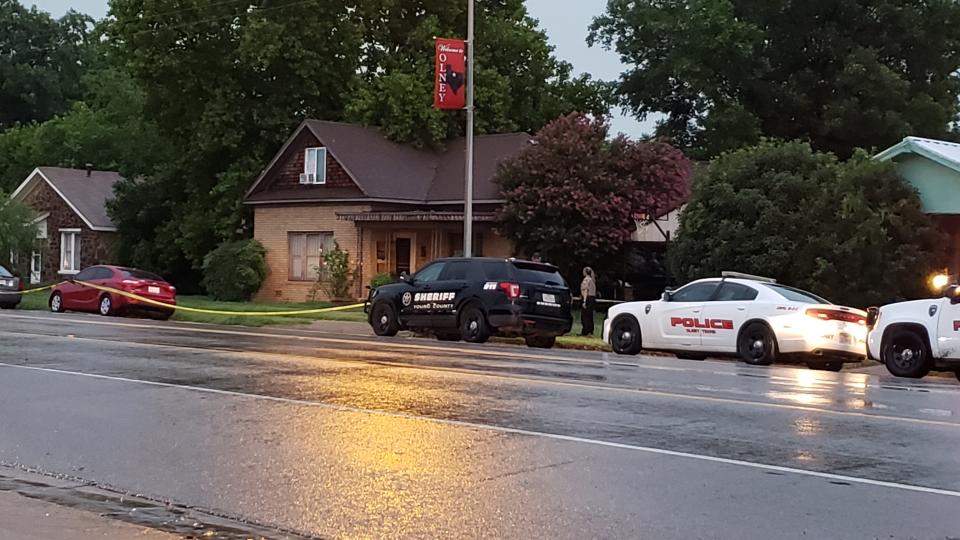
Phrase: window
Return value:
(734, 292)
(696, 292)
(69, 251)
(5, 273)
(455, 270)
(140, 274)
(314, 166)
(796, 295)
(42, 230)
(36, 268)
(87, 275)
(430, 273)
(455, 244)
(306, 254)
(539, 273)
(102, 272)
(495, 271)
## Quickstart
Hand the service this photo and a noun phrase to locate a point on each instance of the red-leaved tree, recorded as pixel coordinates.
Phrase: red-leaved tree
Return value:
(573, 194)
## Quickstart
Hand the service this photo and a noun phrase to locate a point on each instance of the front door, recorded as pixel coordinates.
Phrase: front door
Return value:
(948, 330)
(724, 315)
(36, 263)
(402, 255)
(680, 318)
(418, 302)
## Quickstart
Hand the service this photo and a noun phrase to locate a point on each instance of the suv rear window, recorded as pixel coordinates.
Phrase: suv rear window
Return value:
(539, 273)
(495, 271)
(796, 295)
(140, 274)
(4, 272)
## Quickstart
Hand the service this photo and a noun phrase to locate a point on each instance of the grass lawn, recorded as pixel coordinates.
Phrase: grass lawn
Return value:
(574, 340)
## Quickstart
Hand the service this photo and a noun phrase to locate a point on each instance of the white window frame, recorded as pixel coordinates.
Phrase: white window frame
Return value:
(315, 163)
(36, 267)
(74, 238)
(303, 270)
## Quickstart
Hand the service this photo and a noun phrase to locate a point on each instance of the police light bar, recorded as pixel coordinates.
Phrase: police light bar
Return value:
(739, 275)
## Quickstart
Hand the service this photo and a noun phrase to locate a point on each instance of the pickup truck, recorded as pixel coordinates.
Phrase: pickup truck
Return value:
(912, 338)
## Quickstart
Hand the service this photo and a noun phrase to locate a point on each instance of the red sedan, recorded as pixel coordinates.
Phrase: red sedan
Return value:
(74, 296)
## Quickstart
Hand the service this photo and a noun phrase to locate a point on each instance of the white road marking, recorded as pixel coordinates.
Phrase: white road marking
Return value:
(514, 431)
(512, 377)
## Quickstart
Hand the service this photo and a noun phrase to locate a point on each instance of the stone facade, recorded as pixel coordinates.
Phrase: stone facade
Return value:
(96, 247)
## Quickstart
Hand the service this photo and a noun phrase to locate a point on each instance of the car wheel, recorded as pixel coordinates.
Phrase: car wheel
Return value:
(384, 320)
(473, 325)
(625, 336)
(56, 303)
(106, 305)
(825, 366)
(756, 345)
(448, 336)
(540, 342)
(905, 354)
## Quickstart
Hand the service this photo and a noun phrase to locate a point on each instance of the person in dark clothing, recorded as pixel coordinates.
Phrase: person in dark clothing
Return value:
(588, 292)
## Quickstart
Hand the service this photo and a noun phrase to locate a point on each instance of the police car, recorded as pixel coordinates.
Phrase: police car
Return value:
(474, 298)
(752, 317)
(912, 338)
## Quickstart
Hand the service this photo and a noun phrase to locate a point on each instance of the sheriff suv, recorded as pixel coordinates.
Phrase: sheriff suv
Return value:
(474, 298)
(913, 338)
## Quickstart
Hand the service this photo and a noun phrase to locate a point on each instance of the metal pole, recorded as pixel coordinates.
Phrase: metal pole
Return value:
(468, 172)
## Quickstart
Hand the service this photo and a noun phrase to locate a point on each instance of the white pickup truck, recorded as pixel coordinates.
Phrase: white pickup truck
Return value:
(912, 338)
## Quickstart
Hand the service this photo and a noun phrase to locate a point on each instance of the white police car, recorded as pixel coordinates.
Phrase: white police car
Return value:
(752, 317)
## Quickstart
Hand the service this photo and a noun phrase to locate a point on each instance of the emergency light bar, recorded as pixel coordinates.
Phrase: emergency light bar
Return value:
(739, 275)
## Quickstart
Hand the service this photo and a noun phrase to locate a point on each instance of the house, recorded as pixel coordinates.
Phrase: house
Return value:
(394, 208)
(73, 228)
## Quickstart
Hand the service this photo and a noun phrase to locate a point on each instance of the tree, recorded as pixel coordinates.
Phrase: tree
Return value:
(573, 195)
(853, 232)
(839, 74)
(41, 62)
(17, 235)
(520, 85)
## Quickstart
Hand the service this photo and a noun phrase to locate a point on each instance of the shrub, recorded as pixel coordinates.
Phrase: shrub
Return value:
(381, 279)
(335, 276)
(235, 270)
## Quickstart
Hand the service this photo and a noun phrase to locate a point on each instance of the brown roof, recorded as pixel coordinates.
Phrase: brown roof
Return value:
(86, 195)
(386, 170)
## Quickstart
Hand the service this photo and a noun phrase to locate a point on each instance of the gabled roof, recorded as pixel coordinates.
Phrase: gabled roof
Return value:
(943, 152)
(86, 195)
(385, 170)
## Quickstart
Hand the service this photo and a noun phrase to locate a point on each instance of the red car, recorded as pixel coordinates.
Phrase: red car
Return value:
(72, 295)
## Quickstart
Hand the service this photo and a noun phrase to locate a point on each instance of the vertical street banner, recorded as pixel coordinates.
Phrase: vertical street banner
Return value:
(450, 89)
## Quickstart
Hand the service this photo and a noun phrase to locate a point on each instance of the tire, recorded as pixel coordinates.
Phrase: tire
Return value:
(448, 336)
(906, 354)
(105, 307)
(56, 303)
(473, 325)
(757, 345)
(825, 366)
(625, 336)
(384, 320)
(540, 342)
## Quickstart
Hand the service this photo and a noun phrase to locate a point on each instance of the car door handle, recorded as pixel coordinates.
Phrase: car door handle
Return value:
(696, 311)
(741, 308)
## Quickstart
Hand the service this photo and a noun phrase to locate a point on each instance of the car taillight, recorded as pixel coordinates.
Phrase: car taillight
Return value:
(836, 315)
(511, 289)
(130, 283)
(20, 284)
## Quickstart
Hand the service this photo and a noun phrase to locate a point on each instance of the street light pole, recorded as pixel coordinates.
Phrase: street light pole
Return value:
(468, 172)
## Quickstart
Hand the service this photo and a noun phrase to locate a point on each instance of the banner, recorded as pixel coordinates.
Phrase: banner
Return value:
(450, 90)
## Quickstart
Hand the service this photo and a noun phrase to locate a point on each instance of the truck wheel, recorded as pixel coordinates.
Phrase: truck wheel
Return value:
(756, 345)
(540, 342)
(473, 325)
(906, 354)
(625, 336)
(384, 320)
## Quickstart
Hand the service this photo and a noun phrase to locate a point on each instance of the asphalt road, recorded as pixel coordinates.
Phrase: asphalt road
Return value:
(342, 436)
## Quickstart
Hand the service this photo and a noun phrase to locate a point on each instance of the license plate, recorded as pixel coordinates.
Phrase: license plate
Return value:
(549, 298)
(6, 283)
(153, 290)
(845, 339)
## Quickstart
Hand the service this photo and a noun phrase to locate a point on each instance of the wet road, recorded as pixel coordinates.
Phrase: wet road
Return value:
(342, 436)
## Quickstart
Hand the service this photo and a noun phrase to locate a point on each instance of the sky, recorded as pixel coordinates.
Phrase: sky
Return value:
(565, 22)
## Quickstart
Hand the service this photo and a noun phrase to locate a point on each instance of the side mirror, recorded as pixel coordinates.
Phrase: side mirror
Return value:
(666, 296)
(406, 278)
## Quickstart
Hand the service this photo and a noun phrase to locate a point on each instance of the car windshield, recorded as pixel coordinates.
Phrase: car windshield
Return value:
(539, 273)
(4, 272)
(140, 274)
(796, 295)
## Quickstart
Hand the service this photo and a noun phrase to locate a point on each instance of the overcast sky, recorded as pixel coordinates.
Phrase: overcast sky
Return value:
(565, 22)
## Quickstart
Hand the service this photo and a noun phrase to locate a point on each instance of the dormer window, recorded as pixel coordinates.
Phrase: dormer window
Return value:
(314, 166)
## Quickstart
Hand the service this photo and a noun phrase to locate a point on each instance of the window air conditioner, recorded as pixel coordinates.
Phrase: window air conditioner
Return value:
(308, 178)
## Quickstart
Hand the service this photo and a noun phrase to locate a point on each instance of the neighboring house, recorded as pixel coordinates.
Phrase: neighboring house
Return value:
(392, 207)
(73, 228)
(660, 229)
(932, 167)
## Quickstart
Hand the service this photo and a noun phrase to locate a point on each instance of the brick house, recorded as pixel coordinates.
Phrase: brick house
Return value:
(392, 207)
(73, 229)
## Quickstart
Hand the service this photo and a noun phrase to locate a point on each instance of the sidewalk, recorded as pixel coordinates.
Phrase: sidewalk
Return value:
(23, 518)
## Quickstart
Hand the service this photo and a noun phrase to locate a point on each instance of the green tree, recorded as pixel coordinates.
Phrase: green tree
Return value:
(839, 74)
(573, 195)
(851, 231)
(41, 62)
(17, 235)
(520, 84)
(234, 271)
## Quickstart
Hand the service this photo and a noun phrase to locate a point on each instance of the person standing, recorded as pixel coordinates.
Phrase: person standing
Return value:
(588, 292)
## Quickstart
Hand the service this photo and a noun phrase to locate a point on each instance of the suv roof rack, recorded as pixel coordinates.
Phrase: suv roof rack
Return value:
(739, 275)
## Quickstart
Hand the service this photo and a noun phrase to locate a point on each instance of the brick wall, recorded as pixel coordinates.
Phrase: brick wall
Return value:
(271, 227)
(95, 247)
(286, 174)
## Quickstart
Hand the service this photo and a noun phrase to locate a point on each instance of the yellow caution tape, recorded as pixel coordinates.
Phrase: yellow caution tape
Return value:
(30, 291)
